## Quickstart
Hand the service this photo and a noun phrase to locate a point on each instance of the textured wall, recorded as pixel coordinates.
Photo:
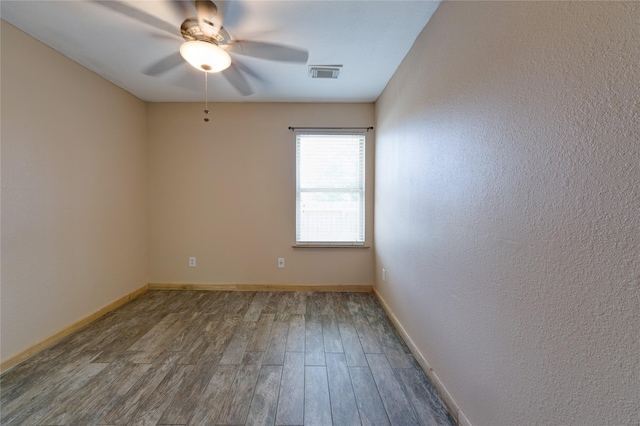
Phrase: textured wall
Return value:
(74, 192)
(224, 192)
(508, 208)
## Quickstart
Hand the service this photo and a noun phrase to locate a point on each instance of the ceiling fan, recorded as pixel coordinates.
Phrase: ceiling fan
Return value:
(207, 46)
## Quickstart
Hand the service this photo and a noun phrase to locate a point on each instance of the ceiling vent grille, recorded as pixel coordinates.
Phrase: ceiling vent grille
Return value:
(324, 71)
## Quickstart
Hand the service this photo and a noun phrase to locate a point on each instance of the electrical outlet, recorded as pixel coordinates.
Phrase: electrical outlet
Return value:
(192, 262)
(384, 274)
(281, 262)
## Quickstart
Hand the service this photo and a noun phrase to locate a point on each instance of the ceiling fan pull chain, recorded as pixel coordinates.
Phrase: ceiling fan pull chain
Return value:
(206, 94)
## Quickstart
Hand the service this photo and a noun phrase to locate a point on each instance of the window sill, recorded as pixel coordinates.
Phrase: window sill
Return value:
(333, 246)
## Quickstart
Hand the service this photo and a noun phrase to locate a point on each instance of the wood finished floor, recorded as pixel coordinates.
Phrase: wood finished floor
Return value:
(231, 358)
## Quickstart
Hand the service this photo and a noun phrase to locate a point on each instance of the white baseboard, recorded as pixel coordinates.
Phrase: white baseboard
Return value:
(431, 374)
(55, 338)
(462, 419)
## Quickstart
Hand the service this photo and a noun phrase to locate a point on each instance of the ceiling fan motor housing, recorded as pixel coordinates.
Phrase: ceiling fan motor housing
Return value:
(191, 31)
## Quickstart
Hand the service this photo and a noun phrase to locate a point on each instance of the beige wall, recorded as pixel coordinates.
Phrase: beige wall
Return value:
(76, 213)
(508, 208)
(224, 192)
(74, 192)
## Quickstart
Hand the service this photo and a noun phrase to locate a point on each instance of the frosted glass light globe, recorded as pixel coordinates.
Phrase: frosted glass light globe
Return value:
(205, 56)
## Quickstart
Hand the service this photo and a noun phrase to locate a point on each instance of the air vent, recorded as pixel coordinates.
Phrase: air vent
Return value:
(324, 71)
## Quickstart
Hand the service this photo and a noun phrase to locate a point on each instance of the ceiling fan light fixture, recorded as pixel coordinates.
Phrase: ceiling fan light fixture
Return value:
(205, 56)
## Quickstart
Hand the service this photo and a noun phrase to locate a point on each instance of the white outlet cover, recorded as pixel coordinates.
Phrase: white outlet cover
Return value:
(192, 262)
(281, 262)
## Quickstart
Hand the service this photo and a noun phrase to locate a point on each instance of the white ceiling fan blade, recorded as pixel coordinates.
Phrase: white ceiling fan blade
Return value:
(138, 15)
(269, 51)
(237, 80)
(182, 8)
(164, 65)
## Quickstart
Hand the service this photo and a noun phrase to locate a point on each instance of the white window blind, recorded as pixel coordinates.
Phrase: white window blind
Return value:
(330, 188)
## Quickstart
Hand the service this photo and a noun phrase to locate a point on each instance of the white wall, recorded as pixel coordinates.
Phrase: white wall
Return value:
(74, 192)
(507, 211)
(224, 192)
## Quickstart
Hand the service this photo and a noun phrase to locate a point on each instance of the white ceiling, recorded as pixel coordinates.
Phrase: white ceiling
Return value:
(369, 38)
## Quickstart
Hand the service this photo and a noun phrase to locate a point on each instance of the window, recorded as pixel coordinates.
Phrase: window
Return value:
(330, 188)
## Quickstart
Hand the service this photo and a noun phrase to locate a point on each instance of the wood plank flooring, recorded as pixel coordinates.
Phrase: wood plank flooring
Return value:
(227, 358)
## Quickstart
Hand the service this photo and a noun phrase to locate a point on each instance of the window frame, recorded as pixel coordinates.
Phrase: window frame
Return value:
(360, 240)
